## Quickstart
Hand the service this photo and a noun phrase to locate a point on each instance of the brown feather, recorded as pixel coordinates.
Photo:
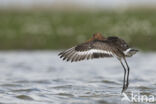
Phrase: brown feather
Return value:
(96, 36)
(108, 46)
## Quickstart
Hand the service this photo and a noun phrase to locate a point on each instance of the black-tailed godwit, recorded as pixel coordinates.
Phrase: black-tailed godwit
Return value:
(100, 47)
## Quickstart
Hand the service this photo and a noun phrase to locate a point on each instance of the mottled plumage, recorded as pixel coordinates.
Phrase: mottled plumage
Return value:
(96, 47)
(100, 47)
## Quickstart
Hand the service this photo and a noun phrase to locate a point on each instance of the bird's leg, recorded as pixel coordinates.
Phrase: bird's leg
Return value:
(128, 69)
(125, 73)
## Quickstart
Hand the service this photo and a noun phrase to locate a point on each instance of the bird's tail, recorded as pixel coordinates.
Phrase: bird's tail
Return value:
(130, 52)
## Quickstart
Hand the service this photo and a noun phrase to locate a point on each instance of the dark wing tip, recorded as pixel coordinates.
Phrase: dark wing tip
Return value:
(66, 55)
(60, 53)
(85, 51)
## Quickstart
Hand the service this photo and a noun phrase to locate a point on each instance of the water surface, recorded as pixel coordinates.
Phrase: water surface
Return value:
(40, 77)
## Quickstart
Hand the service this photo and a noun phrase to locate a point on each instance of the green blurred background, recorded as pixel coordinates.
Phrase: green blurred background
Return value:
(60, 29)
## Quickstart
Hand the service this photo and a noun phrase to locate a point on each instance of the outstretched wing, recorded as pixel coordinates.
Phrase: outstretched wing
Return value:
(89, 50)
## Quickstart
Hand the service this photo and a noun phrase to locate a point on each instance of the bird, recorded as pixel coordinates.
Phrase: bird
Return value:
(99, 46)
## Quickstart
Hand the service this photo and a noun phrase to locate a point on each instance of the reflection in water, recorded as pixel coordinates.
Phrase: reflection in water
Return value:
(41, 77)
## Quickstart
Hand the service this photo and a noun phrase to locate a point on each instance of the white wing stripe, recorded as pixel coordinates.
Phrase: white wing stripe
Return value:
(94, 51)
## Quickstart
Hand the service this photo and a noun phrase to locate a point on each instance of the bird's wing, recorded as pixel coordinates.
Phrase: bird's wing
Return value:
(89, 50)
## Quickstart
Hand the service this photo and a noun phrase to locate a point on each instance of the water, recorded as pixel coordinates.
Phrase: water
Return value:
(40, 77)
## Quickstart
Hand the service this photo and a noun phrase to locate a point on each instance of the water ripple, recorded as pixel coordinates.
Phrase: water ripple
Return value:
(42, 78)
(24, 97)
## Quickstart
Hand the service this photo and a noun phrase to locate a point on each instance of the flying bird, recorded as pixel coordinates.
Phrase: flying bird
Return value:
(101, 47)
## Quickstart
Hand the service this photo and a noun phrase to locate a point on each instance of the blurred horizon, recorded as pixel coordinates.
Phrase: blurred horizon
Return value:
(78, 4)
(58, 24)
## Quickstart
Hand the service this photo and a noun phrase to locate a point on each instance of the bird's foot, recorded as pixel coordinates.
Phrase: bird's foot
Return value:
(124, 89)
